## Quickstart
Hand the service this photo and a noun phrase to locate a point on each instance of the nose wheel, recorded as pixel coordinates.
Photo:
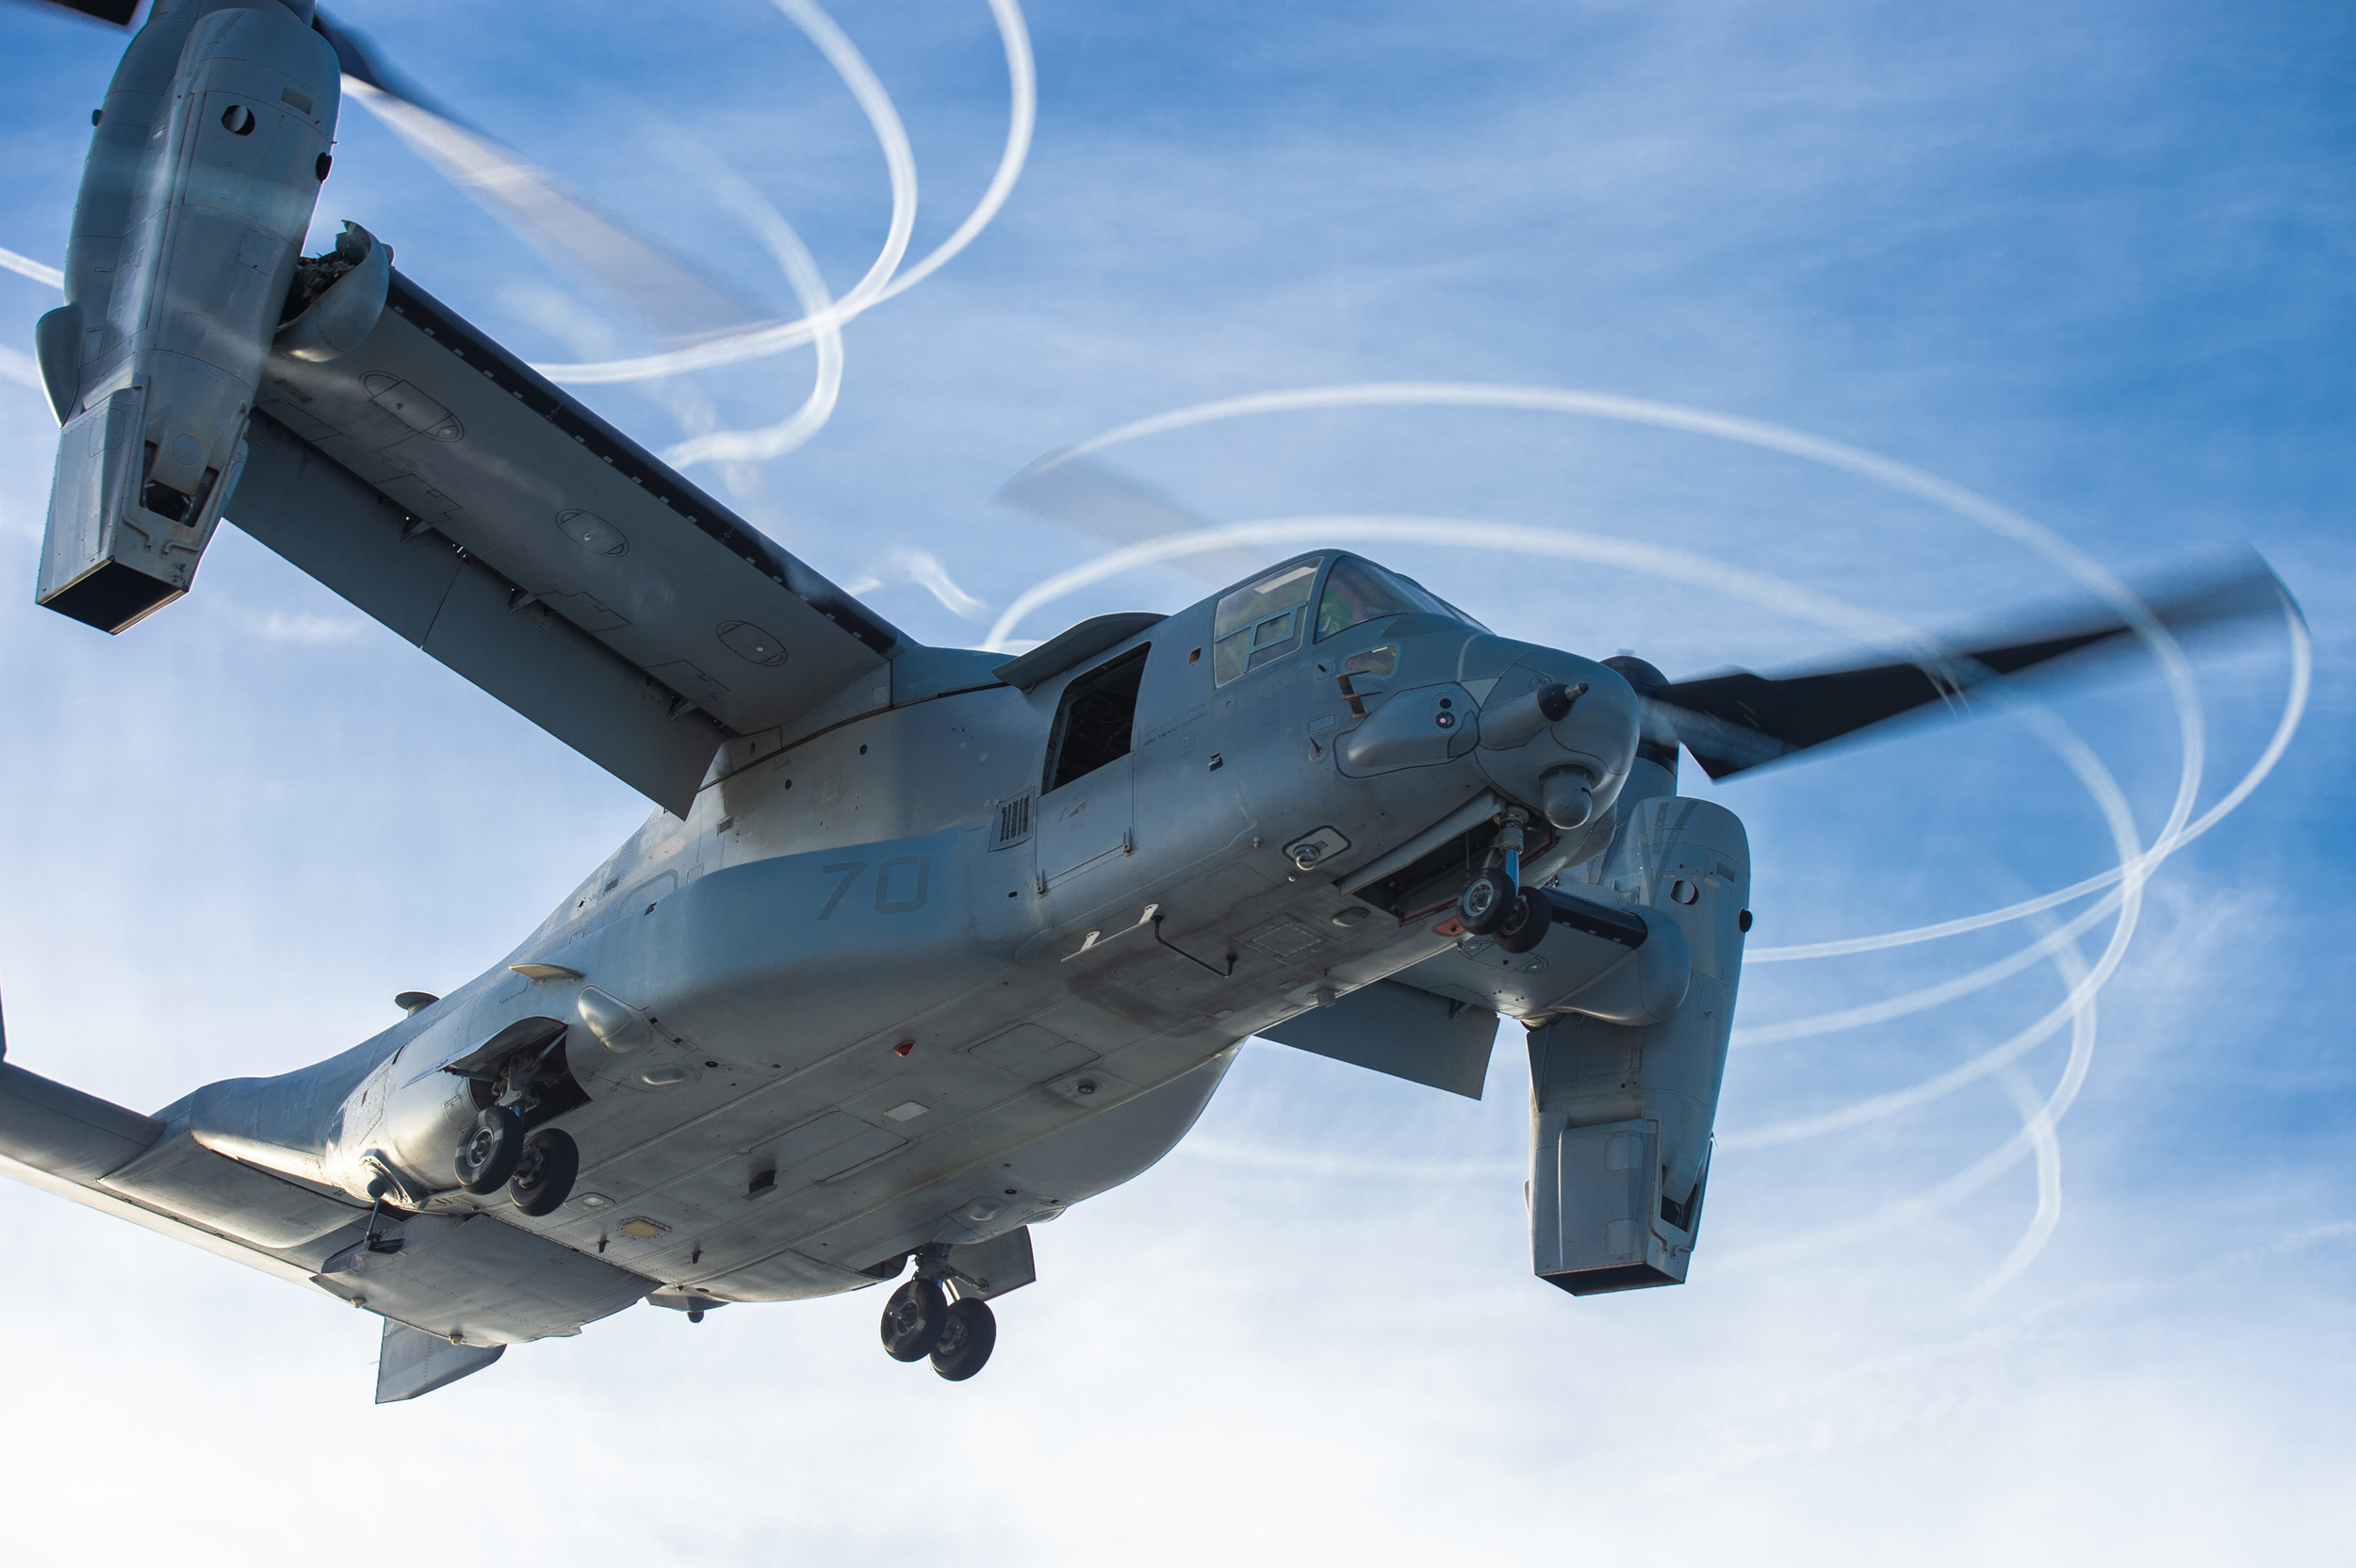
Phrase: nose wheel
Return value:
(1527, 923)
(920, 1321)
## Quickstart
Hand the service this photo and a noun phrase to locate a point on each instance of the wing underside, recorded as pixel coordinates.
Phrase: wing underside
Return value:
(464, 1280)
(449, 491)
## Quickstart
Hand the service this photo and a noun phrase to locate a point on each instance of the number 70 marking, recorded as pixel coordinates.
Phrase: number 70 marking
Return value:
(911, 897)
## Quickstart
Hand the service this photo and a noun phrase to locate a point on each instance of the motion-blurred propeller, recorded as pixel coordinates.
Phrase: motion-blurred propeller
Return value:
(670, 295)
(1738, 720)
(120, 12)
(1093, 498)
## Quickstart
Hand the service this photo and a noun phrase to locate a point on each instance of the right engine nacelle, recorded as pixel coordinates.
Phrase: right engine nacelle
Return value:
(154, 360)
(1620, 1116)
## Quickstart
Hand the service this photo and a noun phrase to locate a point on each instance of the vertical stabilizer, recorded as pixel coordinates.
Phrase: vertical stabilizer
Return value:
(413, 1361)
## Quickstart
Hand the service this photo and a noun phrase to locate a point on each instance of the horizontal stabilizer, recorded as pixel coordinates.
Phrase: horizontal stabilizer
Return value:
(181, 1176)
(64, 1141)
(482, 1281)
(1396, 1029)
(64, 1132)
(412, 1363)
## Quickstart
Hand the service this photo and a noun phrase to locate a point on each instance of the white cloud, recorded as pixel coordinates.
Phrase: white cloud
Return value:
(307, 627)
(924, 569)
(20, 367)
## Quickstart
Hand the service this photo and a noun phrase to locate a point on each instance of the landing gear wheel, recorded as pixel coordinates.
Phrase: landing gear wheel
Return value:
(543, 1176)
(966, 1340)
(913, 1318)
(1486, 902)
(489, 1150)
(1526, 926)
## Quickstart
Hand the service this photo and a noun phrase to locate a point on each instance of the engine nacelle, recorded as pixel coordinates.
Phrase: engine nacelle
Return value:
(1620, 1116)
(154, 361)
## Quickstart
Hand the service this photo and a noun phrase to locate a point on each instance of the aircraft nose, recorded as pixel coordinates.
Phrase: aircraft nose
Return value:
(1559, 733)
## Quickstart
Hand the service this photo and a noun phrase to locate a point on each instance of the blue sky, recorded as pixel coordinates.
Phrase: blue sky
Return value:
(2091, 261)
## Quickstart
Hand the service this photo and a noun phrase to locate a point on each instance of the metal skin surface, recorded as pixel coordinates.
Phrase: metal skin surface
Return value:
(197, 192)
(841, 897)
(942, 944)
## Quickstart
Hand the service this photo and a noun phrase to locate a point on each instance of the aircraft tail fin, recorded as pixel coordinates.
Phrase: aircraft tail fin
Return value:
(413, 1361)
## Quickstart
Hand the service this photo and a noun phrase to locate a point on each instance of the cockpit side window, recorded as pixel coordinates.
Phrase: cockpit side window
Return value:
(1261, 622)
(1357, 592)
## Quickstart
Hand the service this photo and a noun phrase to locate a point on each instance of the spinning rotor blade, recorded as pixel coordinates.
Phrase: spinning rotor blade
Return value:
(1739, 721)
(1094, 498)
(669, 294)
(116, 11)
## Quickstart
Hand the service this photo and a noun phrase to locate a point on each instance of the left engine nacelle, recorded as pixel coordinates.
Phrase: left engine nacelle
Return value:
(155, 392)
(1621, 1115)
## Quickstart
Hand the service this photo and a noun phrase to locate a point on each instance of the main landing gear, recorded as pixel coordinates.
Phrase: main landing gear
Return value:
(537, 1168)
(919, 1320)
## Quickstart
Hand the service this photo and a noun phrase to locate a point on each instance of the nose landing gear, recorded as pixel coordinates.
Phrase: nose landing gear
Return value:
(920, 1321)
(1494, 903)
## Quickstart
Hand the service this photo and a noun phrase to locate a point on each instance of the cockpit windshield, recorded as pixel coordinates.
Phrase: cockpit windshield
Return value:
(1260, 622)
(1359, 591)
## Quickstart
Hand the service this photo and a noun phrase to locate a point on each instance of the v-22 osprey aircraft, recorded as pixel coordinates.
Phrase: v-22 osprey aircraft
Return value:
(922, 946)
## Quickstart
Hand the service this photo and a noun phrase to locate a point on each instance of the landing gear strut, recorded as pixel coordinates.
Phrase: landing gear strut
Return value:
(1495, 904)
(537, 1166)
(919, 1320)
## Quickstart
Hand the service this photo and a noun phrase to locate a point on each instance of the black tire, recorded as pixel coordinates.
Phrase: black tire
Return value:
(544, 1177)
(1486, 902)
(913, 1318)
(1526, 926)
(488, 1151)
(966, 1340)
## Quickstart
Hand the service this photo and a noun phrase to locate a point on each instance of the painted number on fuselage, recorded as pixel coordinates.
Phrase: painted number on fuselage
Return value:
(902, 883)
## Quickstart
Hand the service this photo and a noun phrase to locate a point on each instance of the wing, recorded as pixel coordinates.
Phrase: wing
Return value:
(76, 1145)
(442, 487)
(440, 1272)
